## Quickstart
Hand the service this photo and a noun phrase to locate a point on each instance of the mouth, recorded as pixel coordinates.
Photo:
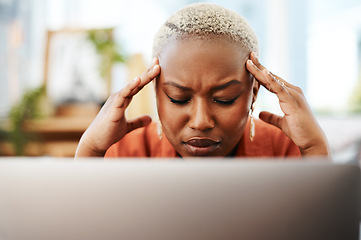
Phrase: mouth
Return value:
(199, 146)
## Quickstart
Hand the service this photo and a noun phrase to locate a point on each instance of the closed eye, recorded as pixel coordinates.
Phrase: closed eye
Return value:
(225, 102)
(178, 101)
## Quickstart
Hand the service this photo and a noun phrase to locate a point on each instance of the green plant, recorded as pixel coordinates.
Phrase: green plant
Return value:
(26, 109)
(109, 51)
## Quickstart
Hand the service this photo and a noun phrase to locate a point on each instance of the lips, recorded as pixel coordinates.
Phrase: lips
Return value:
(201, 146)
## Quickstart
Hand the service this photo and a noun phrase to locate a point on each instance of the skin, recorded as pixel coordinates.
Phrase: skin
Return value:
(193, 105)
(298, 121)
(204, 109)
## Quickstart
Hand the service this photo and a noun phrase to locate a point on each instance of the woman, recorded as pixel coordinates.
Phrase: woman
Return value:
(207, 77)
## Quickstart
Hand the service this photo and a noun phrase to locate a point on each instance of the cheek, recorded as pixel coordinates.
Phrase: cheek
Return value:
(233, 118)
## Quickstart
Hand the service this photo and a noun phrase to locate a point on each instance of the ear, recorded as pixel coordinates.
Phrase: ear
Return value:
(255, 89)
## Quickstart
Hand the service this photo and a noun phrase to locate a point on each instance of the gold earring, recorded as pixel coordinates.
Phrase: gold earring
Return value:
(252, 131)
(159, 130)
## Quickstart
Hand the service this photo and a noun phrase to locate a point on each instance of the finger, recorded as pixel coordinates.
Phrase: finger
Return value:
(124, 96)
(155, 62)
(138, 122)
(277, 87)
(271, 118)
(147, 77)
(254, 59)
(270, 82)
(256, 72)
(283, 82)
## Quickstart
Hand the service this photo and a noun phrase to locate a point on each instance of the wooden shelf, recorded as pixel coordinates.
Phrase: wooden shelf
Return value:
(60, 124)
(55, 136)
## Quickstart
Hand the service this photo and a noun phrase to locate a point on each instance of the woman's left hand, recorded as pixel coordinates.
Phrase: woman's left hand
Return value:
(298, 122)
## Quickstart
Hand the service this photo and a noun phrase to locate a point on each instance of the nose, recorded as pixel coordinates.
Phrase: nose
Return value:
(201, 116)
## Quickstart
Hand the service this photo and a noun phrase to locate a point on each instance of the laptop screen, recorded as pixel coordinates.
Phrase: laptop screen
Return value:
(174, 199)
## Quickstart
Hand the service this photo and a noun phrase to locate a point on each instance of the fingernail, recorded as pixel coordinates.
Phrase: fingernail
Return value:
(254, 54)
(250, 61)
(135, 79)
(154, 60)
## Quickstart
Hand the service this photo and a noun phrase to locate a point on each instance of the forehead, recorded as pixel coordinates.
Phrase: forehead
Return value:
(210, 60)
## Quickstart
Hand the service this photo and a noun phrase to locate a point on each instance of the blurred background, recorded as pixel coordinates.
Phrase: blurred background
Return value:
(60, 59)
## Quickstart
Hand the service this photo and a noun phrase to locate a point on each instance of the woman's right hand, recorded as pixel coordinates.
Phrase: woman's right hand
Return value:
(110, 125)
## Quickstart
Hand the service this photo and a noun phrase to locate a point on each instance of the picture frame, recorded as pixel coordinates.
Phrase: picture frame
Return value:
(76, 68)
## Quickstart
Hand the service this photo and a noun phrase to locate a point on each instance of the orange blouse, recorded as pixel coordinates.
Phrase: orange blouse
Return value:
(269, 141)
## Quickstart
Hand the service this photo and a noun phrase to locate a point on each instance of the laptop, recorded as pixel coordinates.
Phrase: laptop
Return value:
(55, 199)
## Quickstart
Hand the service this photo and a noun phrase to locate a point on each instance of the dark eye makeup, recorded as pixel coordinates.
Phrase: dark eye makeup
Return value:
(224, 101)
(215, 100)
(178, 101)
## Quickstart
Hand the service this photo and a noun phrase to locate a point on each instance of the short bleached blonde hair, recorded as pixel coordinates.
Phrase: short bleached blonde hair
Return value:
(203, 21)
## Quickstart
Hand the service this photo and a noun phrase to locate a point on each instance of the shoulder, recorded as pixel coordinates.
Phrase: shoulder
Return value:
(269, 141)
(142, 142)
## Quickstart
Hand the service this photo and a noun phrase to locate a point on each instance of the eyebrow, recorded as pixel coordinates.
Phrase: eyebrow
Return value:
(177, 86)
(227, 84)
(216, 88)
